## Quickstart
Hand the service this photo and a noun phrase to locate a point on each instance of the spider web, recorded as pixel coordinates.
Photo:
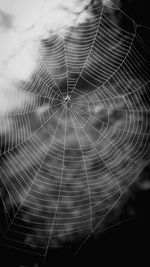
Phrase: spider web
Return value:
(89, 142)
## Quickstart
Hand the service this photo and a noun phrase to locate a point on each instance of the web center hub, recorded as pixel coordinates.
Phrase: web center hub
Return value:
(67, 101)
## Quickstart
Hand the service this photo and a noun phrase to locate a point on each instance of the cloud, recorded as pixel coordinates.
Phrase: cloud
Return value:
(6, 20)
(21, 23)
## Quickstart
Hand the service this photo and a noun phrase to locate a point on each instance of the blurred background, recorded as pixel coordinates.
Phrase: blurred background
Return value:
(124, 242)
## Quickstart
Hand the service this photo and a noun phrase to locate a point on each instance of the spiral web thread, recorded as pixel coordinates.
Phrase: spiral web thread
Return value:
(109, 66)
